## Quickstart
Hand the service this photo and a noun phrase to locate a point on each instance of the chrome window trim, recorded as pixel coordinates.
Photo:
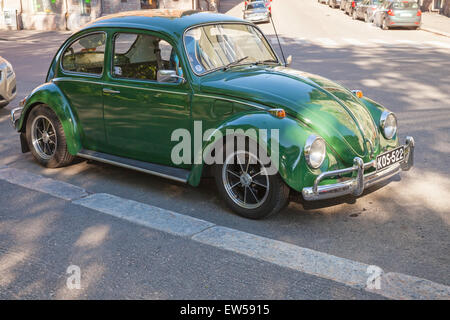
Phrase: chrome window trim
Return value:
(224, 22)
(94, 75)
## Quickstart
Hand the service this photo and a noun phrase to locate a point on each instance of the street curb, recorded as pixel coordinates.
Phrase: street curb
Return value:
(58, 189)
(145, 215)
(348, 272)
(441, 33)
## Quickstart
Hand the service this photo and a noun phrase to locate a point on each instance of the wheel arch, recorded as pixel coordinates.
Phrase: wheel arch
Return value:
(49, 94)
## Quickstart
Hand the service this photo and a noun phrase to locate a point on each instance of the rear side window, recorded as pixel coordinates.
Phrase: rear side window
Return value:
(86, 55)
(405, 5)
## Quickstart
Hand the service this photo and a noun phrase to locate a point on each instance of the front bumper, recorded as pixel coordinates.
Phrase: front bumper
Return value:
(361, 181)
(7, 86)
(258, 18)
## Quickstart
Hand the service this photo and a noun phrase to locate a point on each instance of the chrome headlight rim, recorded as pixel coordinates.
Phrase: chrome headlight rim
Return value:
(384, 117)
(312, 139)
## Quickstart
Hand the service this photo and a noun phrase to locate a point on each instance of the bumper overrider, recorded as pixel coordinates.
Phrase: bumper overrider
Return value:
(15, 116)
(360, 181)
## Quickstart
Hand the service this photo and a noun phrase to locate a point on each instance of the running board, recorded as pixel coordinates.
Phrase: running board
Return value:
(176, 174)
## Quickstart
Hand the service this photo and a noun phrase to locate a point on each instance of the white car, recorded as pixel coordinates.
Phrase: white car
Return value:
(8, 89)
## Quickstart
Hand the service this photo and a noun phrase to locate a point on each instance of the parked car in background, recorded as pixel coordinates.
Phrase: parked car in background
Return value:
(366, 9)
(342, 4)
(334, 3)
(398, 14)
(7, 83)
(256, 11)
(350, 6)
(268, 3)
(322, 1)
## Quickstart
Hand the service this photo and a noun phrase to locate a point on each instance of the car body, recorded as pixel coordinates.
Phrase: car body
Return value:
(8, 89)
(343, 4)
(334, 3)
(322, 1)
(126, 87)
(350, 6)
(398, 14)
(257, 11)
(366, 9)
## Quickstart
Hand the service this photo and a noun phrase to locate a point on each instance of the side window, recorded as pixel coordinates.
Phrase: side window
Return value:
(86, 55)
(141, 56)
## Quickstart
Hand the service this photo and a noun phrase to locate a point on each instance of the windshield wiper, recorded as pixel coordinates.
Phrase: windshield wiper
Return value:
(234, 63)
(265, 61)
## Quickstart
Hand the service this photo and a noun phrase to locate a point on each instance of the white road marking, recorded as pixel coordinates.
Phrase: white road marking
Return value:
(36, 182)
(439, 44)
(326, 42)
(345, 271)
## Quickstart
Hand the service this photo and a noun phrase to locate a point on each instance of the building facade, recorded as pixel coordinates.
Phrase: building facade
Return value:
(72, 14)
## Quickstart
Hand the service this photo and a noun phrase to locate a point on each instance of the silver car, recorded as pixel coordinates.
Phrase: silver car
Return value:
(396, 13)
(7, 83)
(257, 11)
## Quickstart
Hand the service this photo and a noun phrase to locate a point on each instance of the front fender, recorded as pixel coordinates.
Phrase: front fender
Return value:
(292, 136)
(52, 96)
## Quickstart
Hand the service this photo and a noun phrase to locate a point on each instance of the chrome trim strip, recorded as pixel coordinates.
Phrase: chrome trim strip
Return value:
(123, 165)
(357, 185)
(230, 100)
(118, 85)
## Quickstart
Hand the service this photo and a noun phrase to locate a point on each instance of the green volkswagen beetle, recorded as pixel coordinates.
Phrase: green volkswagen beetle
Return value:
(157, 91)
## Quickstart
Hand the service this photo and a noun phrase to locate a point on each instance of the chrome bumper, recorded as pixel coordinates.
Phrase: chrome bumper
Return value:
(13, 117)
(361, 181)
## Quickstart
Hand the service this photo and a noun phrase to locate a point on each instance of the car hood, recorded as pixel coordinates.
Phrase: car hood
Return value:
(329, 109)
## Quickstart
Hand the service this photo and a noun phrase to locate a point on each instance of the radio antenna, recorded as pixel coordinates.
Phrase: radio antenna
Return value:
(278, 39)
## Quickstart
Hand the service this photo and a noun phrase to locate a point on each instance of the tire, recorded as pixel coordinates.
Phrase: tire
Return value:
(384, 25)
(247, 192)
(46, 139)
(354, 15)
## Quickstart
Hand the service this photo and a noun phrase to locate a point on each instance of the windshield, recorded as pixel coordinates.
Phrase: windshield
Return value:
(216, 46)
(405, 5)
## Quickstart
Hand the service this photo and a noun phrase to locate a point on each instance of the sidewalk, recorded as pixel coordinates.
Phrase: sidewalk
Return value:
(436, 23)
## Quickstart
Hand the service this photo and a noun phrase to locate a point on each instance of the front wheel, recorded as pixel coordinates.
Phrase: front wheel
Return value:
(247, 188)
(46, 139)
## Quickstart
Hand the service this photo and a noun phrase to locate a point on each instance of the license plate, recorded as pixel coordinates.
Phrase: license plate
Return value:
(389, 158)
(405, 15)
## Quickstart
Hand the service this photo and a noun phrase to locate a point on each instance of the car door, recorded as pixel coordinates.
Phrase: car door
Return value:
(141, 112)
(80, 79)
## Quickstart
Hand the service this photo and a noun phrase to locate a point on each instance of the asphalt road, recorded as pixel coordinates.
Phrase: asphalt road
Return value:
(402, 226)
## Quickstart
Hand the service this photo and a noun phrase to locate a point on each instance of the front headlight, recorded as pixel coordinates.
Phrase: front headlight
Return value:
(388, 123)
(315, 151)
(9, 70)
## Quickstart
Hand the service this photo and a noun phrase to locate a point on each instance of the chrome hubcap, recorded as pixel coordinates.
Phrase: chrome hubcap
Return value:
(43, 137)
(245, 180)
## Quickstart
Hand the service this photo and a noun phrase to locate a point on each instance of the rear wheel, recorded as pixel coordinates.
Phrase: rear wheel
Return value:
(46, 139)
(247, 188)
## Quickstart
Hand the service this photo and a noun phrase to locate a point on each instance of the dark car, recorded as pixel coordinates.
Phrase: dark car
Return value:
(350, 6)
(366, 9)
(398, 14)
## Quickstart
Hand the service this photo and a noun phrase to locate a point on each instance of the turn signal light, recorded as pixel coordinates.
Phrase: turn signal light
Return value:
(358, 93)
(390, 12)
(279, 113)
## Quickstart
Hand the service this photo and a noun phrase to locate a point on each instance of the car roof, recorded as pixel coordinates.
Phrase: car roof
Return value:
(168, 20)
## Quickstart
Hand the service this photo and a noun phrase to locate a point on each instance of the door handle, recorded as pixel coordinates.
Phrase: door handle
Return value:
(110, 91)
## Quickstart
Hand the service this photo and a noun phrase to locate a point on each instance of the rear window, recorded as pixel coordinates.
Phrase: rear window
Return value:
(405, 5)
(256, 5)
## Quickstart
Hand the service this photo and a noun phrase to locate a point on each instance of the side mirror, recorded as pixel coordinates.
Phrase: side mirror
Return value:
(289, 61)
(168, 76)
